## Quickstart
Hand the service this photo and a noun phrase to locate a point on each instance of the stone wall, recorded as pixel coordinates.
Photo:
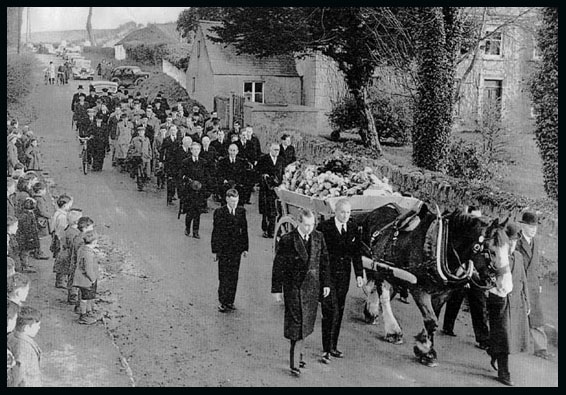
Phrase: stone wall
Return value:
(178, 75)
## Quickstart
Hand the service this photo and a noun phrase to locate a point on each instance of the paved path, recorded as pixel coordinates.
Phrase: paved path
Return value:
(164, 295)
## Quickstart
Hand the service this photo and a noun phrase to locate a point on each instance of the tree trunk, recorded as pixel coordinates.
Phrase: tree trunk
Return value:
(372, 137)
(89, 28)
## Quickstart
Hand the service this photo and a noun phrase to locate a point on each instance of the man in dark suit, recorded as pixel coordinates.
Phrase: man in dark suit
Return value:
(230, 173)
(168, 156)
(528, 247)
(287, 151)
(198, 134)
(247, 152)
(344, 250)
(270, 170)
(220, 145)
(300, 273)
(193, 171)
(229, 242)
(75, 100)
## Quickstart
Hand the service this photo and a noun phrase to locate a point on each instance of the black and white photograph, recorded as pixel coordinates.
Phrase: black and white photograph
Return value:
(282, 196)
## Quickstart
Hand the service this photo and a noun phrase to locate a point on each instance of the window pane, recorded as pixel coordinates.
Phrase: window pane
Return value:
(259, 87)
(258, 98)
(247, 87)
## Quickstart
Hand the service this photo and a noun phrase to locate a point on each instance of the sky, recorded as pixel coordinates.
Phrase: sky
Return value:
(74, 18)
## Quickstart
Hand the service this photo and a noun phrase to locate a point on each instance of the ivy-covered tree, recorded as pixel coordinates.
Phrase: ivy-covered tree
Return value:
(544, 89)
(437, 48)
(187, 21)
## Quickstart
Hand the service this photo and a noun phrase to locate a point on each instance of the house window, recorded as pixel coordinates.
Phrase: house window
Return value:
(194, 84)
(253, 91)
(492, 94)
(493, 43)
(198, 49)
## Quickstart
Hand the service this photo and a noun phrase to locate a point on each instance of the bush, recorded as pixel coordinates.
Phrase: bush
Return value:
(18, 77)
(469, 161)
(146, 54)
(104, 51)
(392, 115)
(178, 55)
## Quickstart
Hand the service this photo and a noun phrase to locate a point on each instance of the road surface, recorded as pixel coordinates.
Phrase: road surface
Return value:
(160, 293)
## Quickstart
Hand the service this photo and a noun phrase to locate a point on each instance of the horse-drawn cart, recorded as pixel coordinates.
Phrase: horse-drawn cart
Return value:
(291, 202)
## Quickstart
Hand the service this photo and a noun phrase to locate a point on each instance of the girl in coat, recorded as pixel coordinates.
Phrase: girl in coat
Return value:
(33, 155)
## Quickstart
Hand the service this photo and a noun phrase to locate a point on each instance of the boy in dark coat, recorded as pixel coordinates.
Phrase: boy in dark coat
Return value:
(229, 242)
(300, 271)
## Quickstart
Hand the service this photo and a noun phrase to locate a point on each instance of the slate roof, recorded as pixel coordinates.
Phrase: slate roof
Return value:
(147, 35)
(225, 61)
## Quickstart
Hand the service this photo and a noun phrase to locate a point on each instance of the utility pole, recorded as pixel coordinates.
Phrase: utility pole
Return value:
(28, 25)
(20, 15)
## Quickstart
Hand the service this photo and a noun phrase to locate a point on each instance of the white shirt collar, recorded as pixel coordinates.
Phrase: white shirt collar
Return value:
(301, 233)
(339, 225)
(528, 239)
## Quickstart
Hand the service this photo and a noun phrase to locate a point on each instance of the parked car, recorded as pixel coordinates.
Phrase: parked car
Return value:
(128, 75)
(100, 85)
(82, 70)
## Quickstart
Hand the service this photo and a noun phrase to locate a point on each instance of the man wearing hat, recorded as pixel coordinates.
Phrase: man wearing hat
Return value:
(91, 98)
(99, 133)
(80, 115)
(196, 117)
(528, 247)
(107, 100)
(80, 92)
(194, 180)
(159, 111)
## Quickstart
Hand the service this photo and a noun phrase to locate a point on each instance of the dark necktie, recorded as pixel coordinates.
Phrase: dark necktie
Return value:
(343, 231)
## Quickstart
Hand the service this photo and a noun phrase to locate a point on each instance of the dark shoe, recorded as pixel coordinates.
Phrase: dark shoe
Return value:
(449, 332)
(403, 300)
(482, 346)
(295, 372)
(265, 235)
(248, 202)
(337, 354)
(325, 358)
(231, 307)
(270, 235)
(196, 235)
(173, 198)
(506, 381)
(302, 364)
(187, 233)
(493, 363)
(222, 308)
(169, 202)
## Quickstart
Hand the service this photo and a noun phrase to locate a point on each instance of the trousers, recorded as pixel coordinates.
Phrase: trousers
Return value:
(228, 269)
(333, 311)
(193, 215)
(477, 302)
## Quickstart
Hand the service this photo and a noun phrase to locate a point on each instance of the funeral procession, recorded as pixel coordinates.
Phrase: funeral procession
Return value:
(282, 196)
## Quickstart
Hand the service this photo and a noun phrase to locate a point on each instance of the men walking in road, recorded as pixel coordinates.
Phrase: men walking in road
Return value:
(528, 247)
(229, 242)
(300, 271)
(99, 133)
(270, 170)
(194, 179)
(344, 250)
(168, 157)
(231, 172)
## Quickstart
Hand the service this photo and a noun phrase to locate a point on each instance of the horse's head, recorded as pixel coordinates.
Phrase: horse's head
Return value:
(481, 241)
(491, 253)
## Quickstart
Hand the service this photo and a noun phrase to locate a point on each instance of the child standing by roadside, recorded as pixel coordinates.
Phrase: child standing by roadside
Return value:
(43, 214)
(85, 224)
(62, 265)
(25, 349)
(58, 226)
(12, 366)
(33, 155)
(17, 288)
(86, 276)
(28, 240)
(13, 247)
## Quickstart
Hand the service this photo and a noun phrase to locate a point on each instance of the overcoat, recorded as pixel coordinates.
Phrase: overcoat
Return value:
(28, 354)
(33, 158)
(192, 199)
(27, 234)
(62, 263)
(518, 306)
(86, 272)
(43, 213)
(534, 279)
(287, 154)
(267, 197)
(300, 275)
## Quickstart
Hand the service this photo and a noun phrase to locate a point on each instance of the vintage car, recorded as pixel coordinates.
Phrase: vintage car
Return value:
(82, 70)
(128, 75)
(100, 85)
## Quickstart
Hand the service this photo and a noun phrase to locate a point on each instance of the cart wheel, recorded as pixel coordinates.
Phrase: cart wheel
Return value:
(285, 225)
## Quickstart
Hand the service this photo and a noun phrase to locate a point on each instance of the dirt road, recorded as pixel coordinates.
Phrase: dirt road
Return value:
(160, 290)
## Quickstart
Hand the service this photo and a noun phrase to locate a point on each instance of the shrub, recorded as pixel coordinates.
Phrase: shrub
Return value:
(469, 161)
(393, 117)
(18, 77)
(178, 55)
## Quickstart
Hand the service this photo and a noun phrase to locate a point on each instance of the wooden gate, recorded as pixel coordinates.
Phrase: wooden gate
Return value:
(222, 107)
(238, 112)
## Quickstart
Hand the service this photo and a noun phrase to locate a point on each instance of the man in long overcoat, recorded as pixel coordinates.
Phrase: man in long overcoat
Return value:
(97, 145)
(229, 242)
(231, 172)
(168, 156)
(528, 247)
(194, 169)
(270, 170)
(300, 272)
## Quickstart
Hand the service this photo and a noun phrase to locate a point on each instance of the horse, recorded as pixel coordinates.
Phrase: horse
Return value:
(430, 255)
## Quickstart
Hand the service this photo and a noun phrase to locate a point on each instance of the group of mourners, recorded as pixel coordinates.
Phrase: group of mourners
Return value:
(36, 219)
(191, 156)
